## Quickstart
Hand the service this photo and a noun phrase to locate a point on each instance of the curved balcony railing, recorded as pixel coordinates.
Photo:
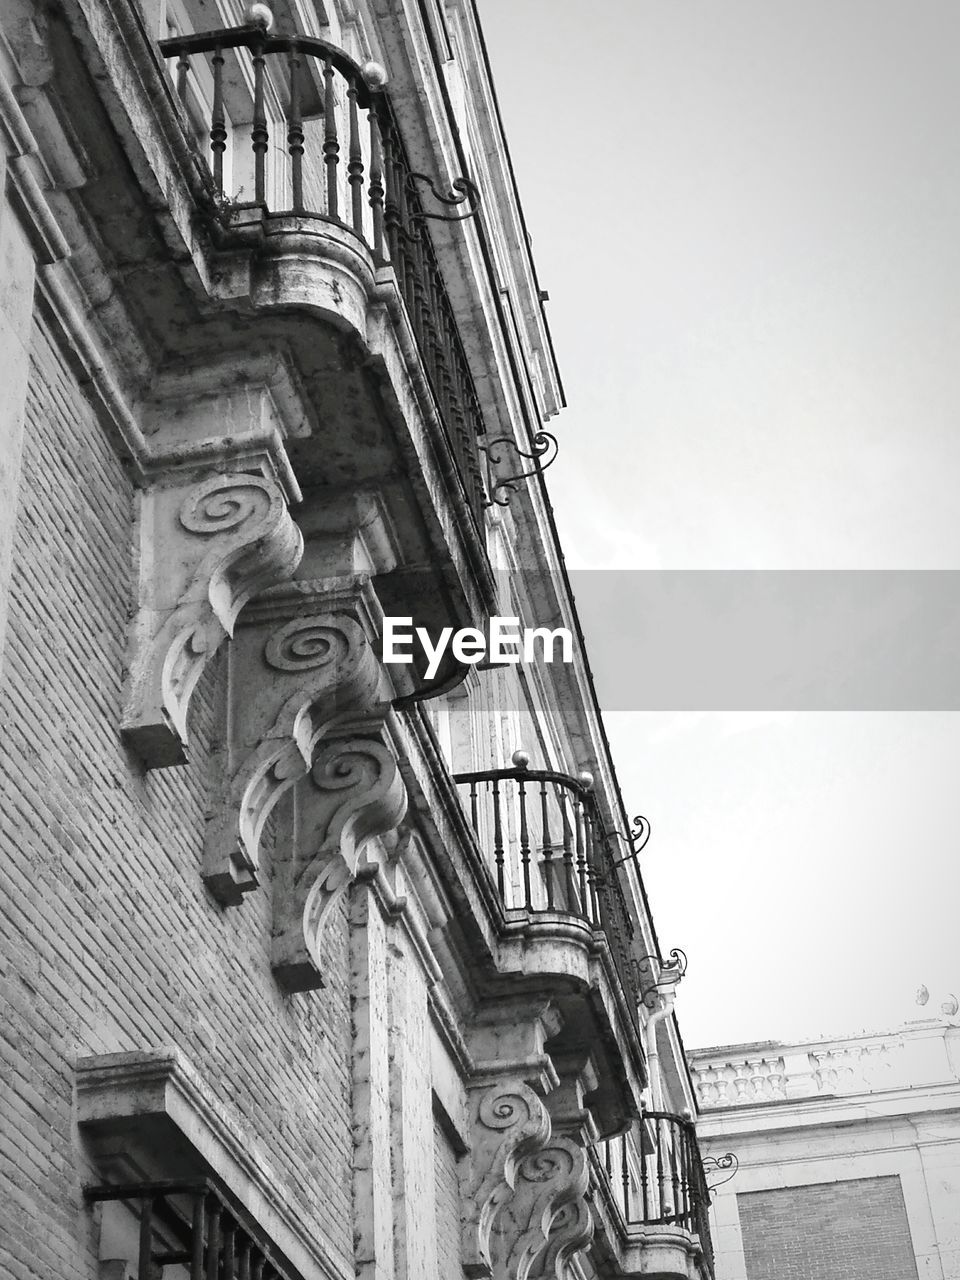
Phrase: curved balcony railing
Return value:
(655, 1176)
(294, 126)
(542, 835)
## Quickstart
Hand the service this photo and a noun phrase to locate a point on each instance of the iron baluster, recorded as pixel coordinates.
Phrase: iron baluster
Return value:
(547, 847)
(568, 865)
(145, 1253)
(391, 206)
(196, 1239)
(355, 161)
(259, 134)
(295, 132)
(213, 1243)
(243, 1270)
(473, 808)
(229, 1249)
(331, 143)
(218, 123)
(498, 840)
(659, 1148)
(376, 184)
(644, 1178)
(592, 910)
(183, 70)
(580, 820)
(524, 846)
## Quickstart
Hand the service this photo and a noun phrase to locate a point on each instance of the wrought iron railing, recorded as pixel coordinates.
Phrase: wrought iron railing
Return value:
(542, 835)
(296, 124)
(189, 1225)
(655, 1176)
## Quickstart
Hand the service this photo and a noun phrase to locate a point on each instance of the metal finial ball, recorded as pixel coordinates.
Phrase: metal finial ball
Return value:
(521, 759)
(585, 778)
(374, 75)
(258, 14)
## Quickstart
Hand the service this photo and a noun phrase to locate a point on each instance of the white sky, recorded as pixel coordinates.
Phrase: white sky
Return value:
(747, 213)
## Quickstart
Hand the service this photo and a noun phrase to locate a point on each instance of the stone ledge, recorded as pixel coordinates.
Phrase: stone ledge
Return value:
(153, 1106)
(662, 1253)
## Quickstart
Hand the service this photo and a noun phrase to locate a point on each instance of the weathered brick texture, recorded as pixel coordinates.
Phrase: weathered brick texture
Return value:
(852, 1230)
(447, 1192)
(111, 942)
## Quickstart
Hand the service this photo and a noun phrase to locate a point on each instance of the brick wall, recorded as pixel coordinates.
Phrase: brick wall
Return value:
(853, 1230)
(447, 1192)
(110, 940)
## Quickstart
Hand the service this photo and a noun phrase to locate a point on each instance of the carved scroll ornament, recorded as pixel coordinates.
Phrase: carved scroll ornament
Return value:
(547, 1220)
(205, 549)
(353, 793)
(289, 683)
(526, 1215)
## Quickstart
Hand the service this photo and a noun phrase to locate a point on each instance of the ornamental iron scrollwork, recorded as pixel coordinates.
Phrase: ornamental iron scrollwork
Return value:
(543, 443)
(671, 970)
(637, 839)
(461, 190)
(716, 1164)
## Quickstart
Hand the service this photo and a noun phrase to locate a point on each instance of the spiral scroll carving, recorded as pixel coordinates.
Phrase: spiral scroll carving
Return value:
(354, 792)
(207, 547)
(528, 1214)
(543, 1166)
(223, 503)
(305, 646)
(507, 1110)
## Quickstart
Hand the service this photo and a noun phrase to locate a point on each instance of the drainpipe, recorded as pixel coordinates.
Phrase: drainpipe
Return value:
(659, 1000)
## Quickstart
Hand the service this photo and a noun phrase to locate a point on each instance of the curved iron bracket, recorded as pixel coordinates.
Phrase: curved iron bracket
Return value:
(544, 442)
(714, 1164)
(637, 839)
(462, 189)
(676, 963)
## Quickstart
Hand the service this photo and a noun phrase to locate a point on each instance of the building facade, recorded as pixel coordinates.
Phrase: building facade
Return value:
(848, 1151)
(315, 965)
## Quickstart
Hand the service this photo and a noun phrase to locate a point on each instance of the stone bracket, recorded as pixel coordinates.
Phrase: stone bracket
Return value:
(207, 543)
(290, 679)
(352, 794)
(525, 1213)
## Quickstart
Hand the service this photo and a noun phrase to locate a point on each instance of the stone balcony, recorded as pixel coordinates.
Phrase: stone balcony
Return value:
(258, 186)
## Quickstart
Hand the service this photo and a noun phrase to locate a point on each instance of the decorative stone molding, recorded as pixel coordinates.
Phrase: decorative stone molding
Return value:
(206, 546)
(547, 1222)
(508, 1122)
(526, 1215)
(352, 794)
(290, 679)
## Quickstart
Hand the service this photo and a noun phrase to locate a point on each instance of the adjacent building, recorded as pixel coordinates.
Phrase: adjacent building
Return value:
(848, 1151)
(314, 965)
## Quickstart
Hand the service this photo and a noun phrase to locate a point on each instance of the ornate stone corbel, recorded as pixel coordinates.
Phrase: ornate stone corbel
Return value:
(508, 1122)
(525, 1213)
(290, 679)
(206, 546)
(352, 793)
(546, 1221)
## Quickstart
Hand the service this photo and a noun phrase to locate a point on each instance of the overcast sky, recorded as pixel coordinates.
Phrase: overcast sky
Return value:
(747, 214)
